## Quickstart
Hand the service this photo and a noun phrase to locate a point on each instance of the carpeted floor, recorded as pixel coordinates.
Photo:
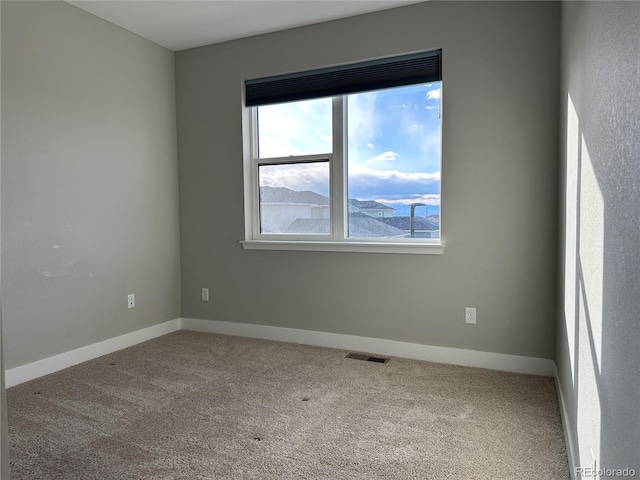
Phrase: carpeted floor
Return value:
(199, 406)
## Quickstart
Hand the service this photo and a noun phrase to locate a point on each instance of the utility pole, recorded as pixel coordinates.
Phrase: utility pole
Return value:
(413, 214)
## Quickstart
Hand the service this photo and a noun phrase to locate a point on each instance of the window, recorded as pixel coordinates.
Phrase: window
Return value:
(346, 158)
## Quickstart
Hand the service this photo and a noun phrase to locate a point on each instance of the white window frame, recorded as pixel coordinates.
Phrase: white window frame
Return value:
(337, 240)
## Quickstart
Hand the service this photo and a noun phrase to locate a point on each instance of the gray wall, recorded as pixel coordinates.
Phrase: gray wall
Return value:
(598, 348)
(89, 181)
(501, 69)
(4, 441)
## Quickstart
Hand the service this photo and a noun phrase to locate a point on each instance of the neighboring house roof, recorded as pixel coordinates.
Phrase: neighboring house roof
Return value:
(362, 225)
(286, 195)
(369, 205)
(404, 223)
(310, 226)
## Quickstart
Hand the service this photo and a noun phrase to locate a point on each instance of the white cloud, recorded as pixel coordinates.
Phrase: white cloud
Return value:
(405, 105)
(298, 177)
(370, 145)
(367, 184)
(393, 174)
(296, 128)
(433, 94)
(428, 199)
(363, 124)
(385, 157)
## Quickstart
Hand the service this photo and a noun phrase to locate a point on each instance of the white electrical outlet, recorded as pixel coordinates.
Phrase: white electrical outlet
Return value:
(205, 294)
(131, 300)
(470, 315)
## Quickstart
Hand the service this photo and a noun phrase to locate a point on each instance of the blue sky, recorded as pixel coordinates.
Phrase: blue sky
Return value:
(394, 144)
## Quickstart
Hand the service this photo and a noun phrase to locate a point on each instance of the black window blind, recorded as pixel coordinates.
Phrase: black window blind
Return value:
(391, 72)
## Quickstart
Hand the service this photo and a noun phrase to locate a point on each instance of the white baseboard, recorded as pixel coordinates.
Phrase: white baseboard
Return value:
(456, 356)
(568, 437)
(24, 373)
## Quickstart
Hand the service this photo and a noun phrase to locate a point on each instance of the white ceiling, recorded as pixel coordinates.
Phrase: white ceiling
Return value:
(181, 24)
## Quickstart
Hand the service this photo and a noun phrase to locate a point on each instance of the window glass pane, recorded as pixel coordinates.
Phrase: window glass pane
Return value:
(394, 140)
(295, 128)
(294, 198)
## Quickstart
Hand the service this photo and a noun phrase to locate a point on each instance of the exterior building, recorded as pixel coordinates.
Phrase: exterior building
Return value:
(280, 207)
(370, 207)
(287, 211)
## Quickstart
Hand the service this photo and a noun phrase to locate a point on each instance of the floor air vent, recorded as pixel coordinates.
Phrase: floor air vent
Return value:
(367, 358)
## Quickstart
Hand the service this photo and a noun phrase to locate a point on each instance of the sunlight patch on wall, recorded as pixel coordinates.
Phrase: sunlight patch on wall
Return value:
(571, 229)
(584, 243)
(588, 396)
(583, 285)
(591, 256)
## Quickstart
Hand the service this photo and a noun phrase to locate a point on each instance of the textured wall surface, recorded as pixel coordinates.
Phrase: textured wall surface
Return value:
(89, 181)
(500, 130)
(598, 349)
(4, 441)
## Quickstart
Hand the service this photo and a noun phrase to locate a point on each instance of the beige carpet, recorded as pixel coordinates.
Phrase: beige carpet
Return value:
(200, 406)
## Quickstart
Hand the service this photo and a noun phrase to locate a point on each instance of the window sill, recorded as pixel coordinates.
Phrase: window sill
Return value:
(362, 247)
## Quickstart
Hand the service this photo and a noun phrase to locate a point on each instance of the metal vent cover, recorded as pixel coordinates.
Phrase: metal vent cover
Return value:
(366, 357)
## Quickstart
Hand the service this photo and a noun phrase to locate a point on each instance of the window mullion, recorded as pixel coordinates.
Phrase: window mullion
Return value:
(338, 170)
(253, 199)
